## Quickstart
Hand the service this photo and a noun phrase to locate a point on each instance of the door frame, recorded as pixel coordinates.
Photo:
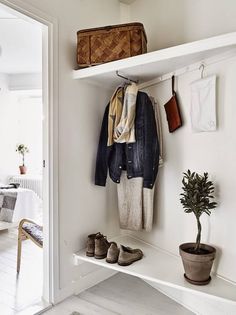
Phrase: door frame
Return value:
(51, 289)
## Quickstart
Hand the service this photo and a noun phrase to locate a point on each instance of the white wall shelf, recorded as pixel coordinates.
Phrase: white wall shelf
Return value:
(151, 65)
(160, 267)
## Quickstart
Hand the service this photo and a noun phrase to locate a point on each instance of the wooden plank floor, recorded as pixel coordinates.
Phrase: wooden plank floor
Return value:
(18, 293)
(120, 295)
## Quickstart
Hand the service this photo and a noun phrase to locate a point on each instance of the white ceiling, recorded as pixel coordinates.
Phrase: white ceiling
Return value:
(20, 45)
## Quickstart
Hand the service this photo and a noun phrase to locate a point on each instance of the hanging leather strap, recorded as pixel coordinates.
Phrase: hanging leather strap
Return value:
(173, 85)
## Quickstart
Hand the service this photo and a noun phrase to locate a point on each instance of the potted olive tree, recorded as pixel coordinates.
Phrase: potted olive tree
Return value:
(197, 198)
(22, 150)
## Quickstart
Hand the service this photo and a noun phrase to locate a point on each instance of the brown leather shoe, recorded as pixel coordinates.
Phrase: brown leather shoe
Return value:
(90, 247)
(128, 255)
(101, 246)
(113, 253)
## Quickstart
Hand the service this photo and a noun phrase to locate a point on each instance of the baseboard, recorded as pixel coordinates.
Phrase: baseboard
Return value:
(37, 308)
(83, 283)
(62, 294)
(155, 286)
(91, 279)
(204, 305)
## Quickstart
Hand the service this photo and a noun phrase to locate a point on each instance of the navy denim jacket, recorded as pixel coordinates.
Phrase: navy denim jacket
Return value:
(139, 159)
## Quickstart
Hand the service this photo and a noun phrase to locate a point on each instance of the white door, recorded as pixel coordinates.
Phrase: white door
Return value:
(50, 140)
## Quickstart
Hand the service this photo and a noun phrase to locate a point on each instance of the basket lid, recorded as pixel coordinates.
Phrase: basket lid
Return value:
(110, 27)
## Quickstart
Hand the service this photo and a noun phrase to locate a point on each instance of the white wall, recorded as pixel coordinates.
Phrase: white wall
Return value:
(30, 130)
(170, 22)
(26, 81)
(83, 207)
(211, 151)
(20, 122)
(27, 38)
(173, 22)
(9, 158)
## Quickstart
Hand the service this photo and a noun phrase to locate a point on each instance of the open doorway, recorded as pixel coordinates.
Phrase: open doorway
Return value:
(24, 192)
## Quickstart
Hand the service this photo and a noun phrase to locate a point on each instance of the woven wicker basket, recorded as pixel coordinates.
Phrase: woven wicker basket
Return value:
(104, 44)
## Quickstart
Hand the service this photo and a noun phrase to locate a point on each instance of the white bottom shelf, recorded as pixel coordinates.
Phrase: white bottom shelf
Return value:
(163, 268)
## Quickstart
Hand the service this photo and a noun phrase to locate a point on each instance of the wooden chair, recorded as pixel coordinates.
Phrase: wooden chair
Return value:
(28, 230)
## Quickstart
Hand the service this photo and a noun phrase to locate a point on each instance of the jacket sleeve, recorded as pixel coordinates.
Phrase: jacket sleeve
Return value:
(151, 146)
(102, 153)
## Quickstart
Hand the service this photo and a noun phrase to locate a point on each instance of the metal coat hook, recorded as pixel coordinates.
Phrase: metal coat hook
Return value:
(123, 77)
(202, 66)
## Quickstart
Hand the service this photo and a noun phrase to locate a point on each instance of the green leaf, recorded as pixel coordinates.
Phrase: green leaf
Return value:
(196, 196)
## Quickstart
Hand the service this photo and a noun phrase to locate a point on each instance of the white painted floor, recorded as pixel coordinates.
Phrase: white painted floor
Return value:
(120, 295)
(18, 293)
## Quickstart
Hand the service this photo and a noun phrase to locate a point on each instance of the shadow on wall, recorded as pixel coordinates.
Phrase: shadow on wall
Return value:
(20, 122)
(169, 23)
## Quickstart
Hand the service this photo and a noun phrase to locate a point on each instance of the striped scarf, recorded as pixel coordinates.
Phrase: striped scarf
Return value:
(121, 115)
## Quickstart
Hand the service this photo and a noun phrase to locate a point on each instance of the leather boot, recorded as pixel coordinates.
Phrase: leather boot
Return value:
(90, 246)
(113, 253)
(101, 247)
(128, 255)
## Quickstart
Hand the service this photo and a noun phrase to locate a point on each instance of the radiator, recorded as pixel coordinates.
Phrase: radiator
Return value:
(29, 182)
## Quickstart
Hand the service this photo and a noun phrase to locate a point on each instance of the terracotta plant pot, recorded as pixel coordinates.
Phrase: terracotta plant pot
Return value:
(23, 169)
(197, 266)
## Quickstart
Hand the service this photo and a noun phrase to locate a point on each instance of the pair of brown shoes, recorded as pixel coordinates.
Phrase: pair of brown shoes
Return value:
(124, 256)
(99, 247)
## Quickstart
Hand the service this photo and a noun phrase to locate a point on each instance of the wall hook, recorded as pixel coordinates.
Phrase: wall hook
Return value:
(123, 77)
(202, 66)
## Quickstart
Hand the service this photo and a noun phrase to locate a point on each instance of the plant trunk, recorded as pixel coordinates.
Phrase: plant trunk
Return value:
(198, 239)
(23, 157)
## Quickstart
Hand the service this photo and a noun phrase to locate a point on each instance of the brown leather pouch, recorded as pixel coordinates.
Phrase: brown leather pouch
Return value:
(172, 111)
